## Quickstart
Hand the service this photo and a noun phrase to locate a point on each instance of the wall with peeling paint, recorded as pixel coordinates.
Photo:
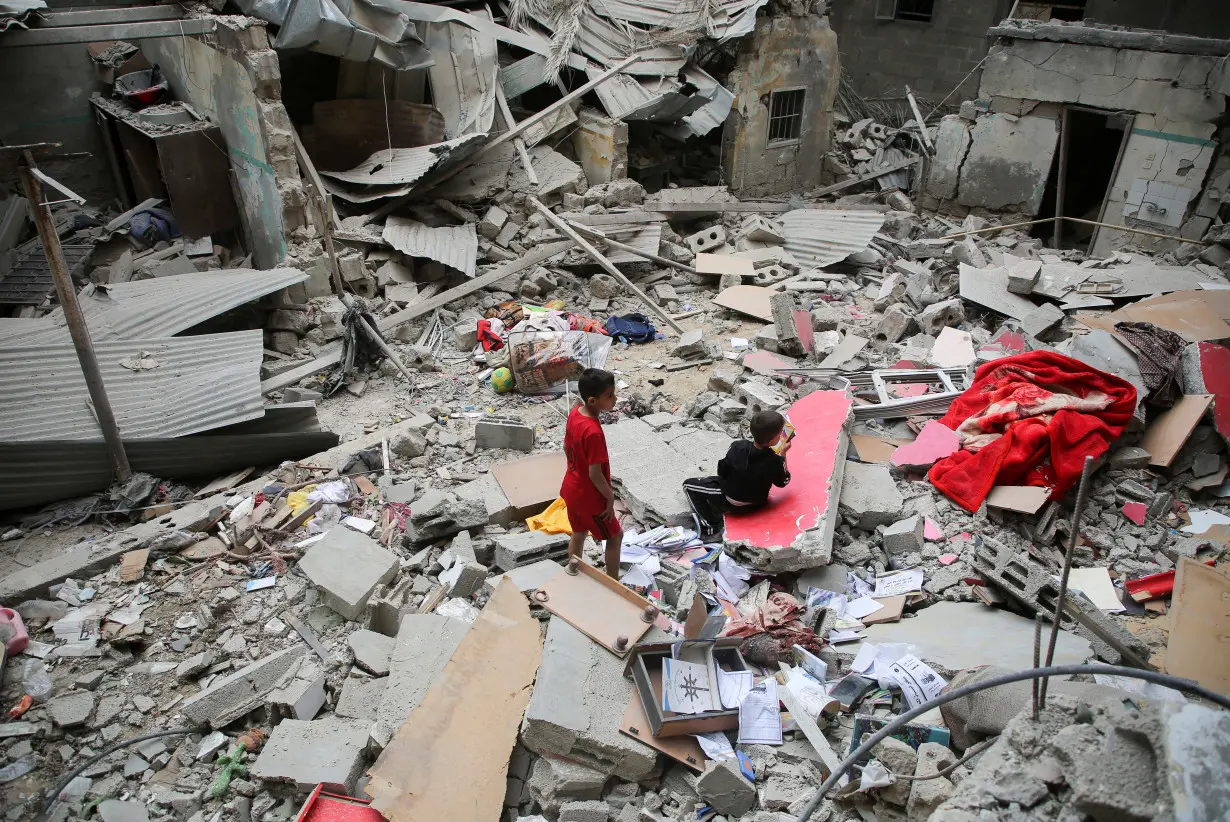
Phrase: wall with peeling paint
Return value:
(782, 53)
(220, 88)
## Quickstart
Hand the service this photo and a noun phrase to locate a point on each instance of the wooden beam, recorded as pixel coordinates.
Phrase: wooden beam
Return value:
(864, 177)
(606, 264)
(332, 355)
(918, 118)
(509, 122)
(66, 35)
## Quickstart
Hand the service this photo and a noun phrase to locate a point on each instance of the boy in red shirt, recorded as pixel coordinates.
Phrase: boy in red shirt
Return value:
(587, 487)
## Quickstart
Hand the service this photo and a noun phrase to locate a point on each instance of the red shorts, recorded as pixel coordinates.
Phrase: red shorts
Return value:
(599, 526)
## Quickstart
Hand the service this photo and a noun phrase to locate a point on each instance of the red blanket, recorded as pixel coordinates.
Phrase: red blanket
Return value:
(1030, 419)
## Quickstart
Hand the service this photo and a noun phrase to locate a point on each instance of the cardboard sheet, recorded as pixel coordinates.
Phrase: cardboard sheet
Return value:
(875, 449)
(1026, 499)
(845, 351)
(1166, 435)
(683, 749)
(1200, 626)
(1196, 316)
(891, 612)
(724, 264)
(752, 300)
(1095, 583)
(466, 724)
(532, 481)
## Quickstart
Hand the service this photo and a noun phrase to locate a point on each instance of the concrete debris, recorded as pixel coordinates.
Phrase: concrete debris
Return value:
(241, 692)
(325, 752)
(346, 567)
(724, 787)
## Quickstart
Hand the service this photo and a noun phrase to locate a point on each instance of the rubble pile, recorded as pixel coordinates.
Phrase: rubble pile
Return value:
(340, 574)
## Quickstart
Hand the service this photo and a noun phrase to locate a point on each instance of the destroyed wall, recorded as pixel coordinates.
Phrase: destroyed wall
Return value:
(783, 53)
(232, 77)
(1201, 18)
(882, 56)
(998, 153)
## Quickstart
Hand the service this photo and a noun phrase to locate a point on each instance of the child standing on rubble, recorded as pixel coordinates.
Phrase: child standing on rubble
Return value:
(744, 476)
(587, 487)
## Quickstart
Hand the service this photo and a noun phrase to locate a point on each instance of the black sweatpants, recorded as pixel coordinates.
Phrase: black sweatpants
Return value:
(707, 500)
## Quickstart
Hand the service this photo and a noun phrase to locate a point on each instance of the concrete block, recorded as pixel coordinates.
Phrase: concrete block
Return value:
(465, 334)
(1023, 276)
(928, 794)
(691, 344)
(444, 516)
(424, 644)
(825, 317)
(493, 222)
(592, 810)
(486, 489)
(515, 550)
(724, 376)
(301, 694)
(360, 698)
(760, 396)
(648, 472)
(904, 537)
(194, 665)
(894, 324)
(371, 651)
(708, 239)
(71, 709)
(324, 752)
(869, 494)
(233, 696)
(766, 339)
(504, 432)
(409, 445)
(116, 810)
(898, 757)
(555, 781)
(781, 304)
(725, 787)
(464, 579)
(938, 316)
(346, 567)
(578, 702)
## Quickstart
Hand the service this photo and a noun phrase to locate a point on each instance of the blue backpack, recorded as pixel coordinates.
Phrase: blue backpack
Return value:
(633, 328)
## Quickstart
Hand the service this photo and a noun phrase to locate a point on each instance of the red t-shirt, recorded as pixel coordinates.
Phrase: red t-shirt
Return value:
(584, 445)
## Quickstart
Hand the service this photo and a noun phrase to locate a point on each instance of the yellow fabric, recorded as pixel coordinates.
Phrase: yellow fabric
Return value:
(554, 520)
(298, 500)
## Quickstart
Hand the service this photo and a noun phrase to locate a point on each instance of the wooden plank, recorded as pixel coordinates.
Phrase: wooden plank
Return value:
(597, 606)
(466, 724)
(1166, 435)
(141, 158)
(57, 36)
(683, 749)
(197, 173)
(332, 354)
(752, 300)
(864, 177)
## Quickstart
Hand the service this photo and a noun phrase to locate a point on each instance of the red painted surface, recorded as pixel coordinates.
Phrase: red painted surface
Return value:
(1004, 343)
(767, 363)
(1136, 512)
(802, 327)
(931, 531)
(1215, 368)
(328, 807)
(818, 419)
(934, 442)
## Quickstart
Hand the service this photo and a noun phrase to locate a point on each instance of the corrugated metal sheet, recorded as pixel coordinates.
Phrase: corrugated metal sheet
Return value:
(820, 237)
(455, 246)
(402, 166)
(29, 281)
(13, 13)
(36, 473)
(463, 86)
(732, 18)
(161, 307)
(201, 383)
(645, 237)
(709, 116)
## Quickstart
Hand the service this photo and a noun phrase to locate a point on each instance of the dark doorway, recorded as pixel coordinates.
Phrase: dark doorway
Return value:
(1093, 146)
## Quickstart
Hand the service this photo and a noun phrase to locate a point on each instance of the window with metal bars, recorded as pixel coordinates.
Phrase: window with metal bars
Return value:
(917, 10)
(786, 114)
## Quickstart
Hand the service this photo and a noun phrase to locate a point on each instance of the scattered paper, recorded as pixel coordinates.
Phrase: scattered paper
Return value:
(259, 584)
(733, 686)
(738, 342)
(810, 693)
(1203, 520)
(363, 526)
(811, 664)
(1095, 583)
(844, 635)
(685, 687)
(861, 607)
(716, 746)
(918, 682)
(829, 600)
(760, 720)
(899, 582)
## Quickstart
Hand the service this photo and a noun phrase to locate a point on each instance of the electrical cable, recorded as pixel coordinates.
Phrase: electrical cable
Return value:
(1183, 685)
(75, 772)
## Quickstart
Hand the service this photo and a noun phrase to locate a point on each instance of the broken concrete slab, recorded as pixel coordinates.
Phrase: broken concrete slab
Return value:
(371, 651)
(116, 810)
(328, 752)
(71, 709)
(934, 442)
(959, 635)
(503, 432)
(346, 566)
(486, 489)
(425, 642)
(904, 537)
(724, 786)
(301, 692)
(579, 699)
(360, 698)
(235, 695)
(515, 550)
(648, 472)
(443, 516)
(795, 529)
(869, 495)
(464, 579)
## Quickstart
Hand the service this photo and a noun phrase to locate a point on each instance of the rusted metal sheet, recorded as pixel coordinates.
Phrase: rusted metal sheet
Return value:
(455, 246)
(158, 388)
(820, 237)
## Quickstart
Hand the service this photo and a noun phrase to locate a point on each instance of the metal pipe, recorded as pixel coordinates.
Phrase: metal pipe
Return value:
(1183, 685)
(1060, 179)
(1128, 229)
(77, 327)
(593, 232)
(1082, 495)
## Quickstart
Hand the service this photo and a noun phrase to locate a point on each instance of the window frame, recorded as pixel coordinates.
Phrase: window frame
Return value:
(777, 142)
(891, 10)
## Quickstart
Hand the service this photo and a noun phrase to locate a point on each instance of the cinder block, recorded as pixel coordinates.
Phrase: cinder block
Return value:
(301, 695)
(322, 752)
(346, 567)
(504, 432)
(904, 537)
(515, 550)
(760, 396)
(702, 241)
(235, 695)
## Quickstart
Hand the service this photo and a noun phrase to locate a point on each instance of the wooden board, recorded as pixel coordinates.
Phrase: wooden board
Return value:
(724, 264)
(346, 132)
(466, 724)
(683, 749)
(532, 481)
(1197, 316)
(1200, 626)
(752, 300)
(197, 173)
(891, 612)
(1166, 435)
(597, 606)
(1026, 499)
(874, 449)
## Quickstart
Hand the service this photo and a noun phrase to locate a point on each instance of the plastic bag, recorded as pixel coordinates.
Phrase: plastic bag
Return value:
(544, 353)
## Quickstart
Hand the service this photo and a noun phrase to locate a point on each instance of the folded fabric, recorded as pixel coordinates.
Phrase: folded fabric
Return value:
(1030, 419)
(554, 520)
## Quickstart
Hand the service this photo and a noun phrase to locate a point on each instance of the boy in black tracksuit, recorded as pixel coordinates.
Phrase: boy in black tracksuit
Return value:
(744, 477)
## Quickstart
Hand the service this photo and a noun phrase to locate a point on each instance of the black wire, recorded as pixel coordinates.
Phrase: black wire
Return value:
(1185, 685)
(75, 772)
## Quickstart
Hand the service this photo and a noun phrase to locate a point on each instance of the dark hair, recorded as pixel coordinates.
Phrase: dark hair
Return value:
(594, 382)
(766, 425)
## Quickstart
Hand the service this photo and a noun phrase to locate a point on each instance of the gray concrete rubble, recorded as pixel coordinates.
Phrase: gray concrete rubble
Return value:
(236, 694)
(725, 787)
(424, 644)
(346, 566)
(530, 547)
(327, 752)
(869, 496)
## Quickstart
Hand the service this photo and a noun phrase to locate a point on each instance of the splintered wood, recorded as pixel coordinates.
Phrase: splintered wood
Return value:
(450, 758)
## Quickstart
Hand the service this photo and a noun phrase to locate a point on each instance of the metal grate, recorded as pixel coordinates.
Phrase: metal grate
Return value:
(786, 114)
(915, 10)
